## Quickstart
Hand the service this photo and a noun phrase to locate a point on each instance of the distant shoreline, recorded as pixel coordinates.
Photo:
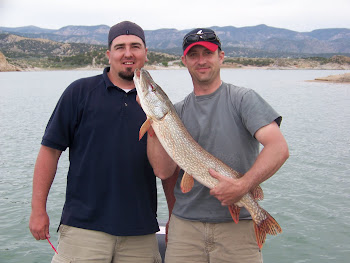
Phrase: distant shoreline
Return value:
(341, 78)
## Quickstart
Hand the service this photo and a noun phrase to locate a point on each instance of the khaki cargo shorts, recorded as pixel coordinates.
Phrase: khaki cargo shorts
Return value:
(194, 241)
(82, 245)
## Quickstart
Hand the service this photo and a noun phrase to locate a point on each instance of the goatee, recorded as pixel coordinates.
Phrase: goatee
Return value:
(126, 75)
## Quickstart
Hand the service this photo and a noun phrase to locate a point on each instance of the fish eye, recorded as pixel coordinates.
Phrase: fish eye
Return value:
(151, 88)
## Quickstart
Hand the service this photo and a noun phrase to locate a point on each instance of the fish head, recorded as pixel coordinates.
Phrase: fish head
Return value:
(154, 101)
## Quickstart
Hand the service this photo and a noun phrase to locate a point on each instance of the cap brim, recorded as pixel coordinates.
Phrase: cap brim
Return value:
(211, 46)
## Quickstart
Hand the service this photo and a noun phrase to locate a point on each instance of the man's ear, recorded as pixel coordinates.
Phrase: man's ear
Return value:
(184, 61)
(222, 56)
(107, 55)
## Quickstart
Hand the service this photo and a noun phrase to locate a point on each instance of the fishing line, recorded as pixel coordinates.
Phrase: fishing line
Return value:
(52, 245)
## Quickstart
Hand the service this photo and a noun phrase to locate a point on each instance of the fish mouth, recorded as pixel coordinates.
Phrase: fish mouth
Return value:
(137, 73)
(137, 80)
(144, 79)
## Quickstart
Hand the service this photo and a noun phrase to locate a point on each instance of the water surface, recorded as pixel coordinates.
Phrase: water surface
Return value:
(309, 196)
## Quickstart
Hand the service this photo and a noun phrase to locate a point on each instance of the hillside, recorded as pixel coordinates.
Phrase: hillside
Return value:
(259, 46)
(25, 53)
(255, 41)
(5, 66)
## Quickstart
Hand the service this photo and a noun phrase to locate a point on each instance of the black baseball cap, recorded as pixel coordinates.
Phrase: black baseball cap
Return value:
(125, 28)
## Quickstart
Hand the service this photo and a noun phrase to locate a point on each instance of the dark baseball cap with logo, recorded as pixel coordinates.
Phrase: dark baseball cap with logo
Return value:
(125, 28)
(201, 36)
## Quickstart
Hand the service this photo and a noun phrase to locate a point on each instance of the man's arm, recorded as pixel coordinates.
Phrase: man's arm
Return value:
(168, 187)
(166, 169)
(44, 174)
(163, 166)
(270, 159)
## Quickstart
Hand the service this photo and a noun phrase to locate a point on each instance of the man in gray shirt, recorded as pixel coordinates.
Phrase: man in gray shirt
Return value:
(229, 122)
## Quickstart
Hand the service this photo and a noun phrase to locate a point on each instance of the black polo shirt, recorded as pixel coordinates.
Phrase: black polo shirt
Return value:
(110, 184)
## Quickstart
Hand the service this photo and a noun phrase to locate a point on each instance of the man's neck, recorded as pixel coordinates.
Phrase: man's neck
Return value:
(201, 89)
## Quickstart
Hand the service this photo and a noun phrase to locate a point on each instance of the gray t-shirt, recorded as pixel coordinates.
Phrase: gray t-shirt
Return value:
(224, 124)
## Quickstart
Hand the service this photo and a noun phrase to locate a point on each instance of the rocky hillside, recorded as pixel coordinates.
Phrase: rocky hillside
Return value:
(18, 46)
(32, 53)
(255, 41)
(27, 53)
(5, 66)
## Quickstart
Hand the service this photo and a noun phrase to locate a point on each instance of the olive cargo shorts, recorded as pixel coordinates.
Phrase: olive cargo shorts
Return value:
(81, 245)
(194, 241)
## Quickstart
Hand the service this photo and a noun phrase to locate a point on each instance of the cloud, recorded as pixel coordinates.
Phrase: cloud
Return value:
(299, 15)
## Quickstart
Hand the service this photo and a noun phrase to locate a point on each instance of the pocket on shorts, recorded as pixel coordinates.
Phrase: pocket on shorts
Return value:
(57, 258)
(63, 229)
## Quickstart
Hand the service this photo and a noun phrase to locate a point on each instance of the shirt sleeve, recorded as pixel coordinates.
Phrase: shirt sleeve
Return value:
(59, 132)
(256, 112)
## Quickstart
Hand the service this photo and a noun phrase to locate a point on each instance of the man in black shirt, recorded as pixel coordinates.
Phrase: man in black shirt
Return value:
(111, 196)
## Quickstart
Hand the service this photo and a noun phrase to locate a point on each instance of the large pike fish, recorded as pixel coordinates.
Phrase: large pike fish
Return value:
(191, 157)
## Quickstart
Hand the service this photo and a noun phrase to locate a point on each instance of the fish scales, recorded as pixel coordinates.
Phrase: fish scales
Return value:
(184, 151)
(190, 156)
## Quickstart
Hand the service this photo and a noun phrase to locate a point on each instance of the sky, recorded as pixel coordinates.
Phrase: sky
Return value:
(296, 15)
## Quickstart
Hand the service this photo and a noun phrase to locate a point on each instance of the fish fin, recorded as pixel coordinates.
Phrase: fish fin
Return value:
(186, 183)
(268, 226)
(258, 193)
(145, 127)
(234, 211)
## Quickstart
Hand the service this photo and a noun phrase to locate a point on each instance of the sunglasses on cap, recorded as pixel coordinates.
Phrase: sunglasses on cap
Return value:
(192, 38)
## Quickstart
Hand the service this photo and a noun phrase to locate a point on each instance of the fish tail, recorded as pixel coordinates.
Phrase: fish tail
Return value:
(268, 226)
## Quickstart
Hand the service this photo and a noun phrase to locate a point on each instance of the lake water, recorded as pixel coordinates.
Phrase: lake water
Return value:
(309, 196)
